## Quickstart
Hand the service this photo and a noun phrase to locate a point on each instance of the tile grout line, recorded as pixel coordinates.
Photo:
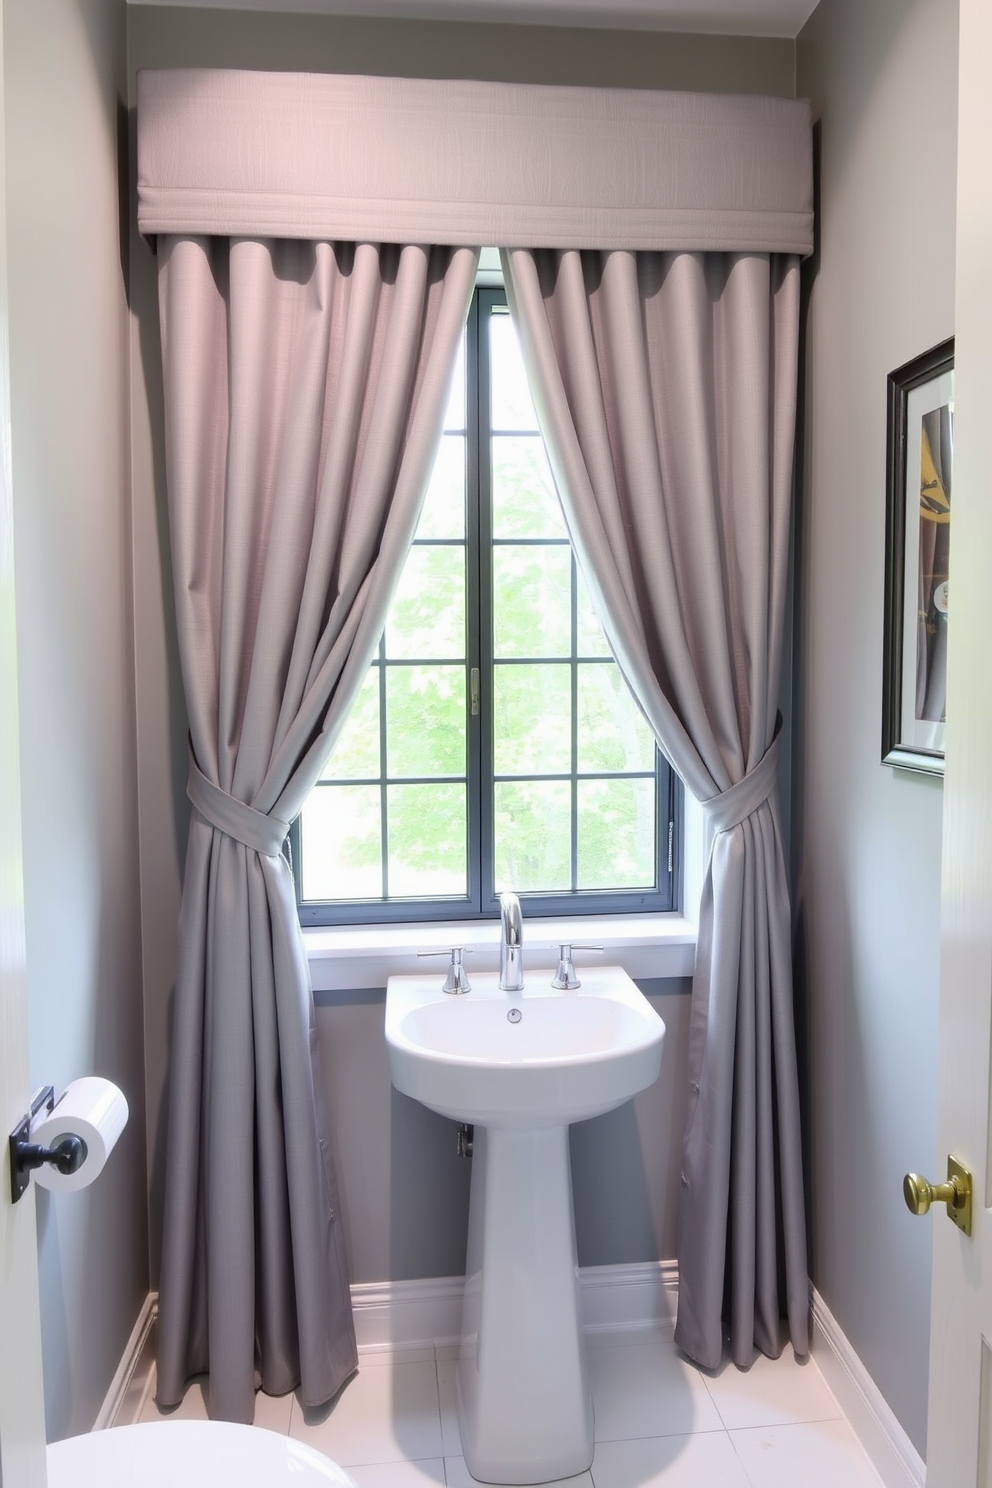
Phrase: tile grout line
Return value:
(743, 1466)
(713, 1400)
(440, 1418)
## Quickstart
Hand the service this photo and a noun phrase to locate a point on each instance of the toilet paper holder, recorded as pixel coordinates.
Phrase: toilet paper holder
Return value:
(68, 1154)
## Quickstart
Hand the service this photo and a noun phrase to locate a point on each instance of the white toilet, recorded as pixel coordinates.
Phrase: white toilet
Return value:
(189, 1454)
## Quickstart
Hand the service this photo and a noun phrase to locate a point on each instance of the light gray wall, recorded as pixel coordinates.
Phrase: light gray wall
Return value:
(64, 83)
(867, 838)
(171, 36)
(404, 1191)
(390, 1153)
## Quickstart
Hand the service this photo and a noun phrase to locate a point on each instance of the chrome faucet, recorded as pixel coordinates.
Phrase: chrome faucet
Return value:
(511, 943)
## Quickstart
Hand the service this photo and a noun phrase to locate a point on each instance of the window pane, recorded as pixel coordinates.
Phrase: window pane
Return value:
(512, 407)
(425, 720)
(532, 601)
(525, 500)
(612, 732)
(355, 756)
(590, 638)
(444, 505)
(617, 848)
(532, 720)
(427, 615)
(427, 840)
(533, 835)
(341, 841)
(454, 417)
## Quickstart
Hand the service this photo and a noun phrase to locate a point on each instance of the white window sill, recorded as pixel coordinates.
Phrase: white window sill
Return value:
(353, 957)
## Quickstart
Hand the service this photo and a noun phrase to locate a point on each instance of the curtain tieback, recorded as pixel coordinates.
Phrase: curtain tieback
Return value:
(735, 805)
(265, 834)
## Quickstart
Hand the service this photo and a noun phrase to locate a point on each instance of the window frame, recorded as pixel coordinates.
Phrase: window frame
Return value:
(481, 902)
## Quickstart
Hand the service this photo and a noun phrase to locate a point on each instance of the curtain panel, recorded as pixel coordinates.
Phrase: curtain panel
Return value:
(305, 385)
(665, 384)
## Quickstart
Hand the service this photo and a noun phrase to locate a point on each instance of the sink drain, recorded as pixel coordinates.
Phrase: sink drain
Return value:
(514, 1015)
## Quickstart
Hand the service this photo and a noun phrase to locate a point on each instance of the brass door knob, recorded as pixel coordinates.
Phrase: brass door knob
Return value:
(919, 1194)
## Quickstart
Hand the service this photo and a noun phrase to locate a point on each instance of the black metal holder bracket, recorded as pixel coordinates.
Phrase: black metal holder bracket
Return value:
(25, 1156)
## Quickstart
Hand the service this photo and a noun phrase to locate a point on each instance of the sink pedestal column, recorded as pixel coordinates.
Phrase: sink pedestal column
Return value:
(524, 1406)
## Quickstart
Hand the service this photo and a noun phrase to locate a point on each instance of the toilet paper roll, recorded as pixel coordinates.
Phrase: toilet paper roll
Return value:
(93, 1109)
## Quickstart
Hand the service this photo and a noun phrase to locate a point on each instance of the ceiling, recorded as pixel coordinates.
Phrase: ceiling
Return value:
(729, 17)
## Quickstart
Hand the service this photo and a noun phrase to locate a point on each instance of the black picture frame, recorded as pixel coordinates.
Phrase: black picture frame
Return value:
(919, 464)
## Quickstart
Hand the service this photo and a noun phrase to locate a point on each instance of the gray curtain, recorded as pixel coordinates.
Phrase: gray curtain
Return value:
(665, 384)
(305, 385)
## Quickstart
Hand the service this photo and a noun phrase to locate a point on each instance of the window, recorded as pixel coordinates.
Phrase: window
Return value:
(494, 744)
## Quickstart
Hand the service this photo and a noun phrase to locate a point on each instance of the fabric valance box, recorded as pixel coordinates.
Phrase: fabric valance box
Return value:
(316, 155)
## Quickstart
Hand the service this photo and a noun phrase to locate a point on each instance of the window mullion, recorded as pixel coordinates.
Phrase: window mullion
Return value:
(383, 767)
(484, 447)
(574, 602)
(475, 540)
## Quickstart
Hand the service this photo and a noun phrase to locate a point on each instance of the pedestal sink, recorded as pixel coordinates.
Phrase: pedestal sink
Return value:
(521, 1066)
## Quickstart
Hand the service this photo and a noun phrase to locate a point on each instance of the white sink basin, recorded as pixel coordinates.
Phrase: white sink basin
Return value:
(521, 1066)
(515, 1059)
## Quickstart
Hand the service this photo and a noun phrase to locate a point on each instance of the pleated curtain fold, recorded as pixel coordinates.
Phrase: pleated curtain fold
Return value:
(665, 384)
(305, 384)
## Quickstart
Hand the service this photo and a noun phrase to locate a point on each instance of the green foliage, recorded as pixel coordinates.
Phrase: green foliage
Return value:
(612, 732)
(616, 830)
(426, 724)
(532, 715)
(525, 500)
(427, 840)
(533, 835)
(427, 615)
(532, 600)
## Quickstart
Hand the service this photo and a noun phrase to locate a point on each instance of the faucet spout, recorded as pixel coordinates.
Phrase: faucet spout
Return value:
(511, 943)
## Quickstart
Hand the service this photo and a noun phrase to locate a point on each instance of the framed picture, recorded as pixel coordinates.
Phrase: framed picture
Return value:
(917, 538)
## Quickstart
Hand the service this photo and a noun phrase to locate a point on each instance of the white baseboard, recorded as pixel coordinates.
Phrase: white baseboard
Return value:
(643, 1294)
(395, 1314)
(405, 1314)
(896, 1460)
(132, 1366)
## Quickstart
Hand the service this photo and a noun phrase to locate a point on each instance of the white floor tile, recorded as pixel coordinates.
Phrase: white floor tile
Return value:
(648, 1390)
(660, 1423)
(707, 1460)
(773, 1392)
(399, 1474)
(384, 1414)
(460, 1477)
(447, 1371)
(822, 1454)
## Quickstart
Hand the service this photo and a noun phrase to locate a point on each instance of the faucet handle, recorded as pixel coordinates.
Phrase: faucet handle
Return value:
(564, 979)
(457, 979)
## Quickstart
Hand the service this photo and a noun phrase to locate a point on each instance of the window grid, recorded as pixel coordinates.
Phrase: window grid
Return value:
(479, 546)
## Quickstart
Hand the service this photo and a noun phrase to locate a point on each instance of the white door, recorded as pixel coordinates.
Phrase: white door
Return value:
(22, 1412)
(959, 1449)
